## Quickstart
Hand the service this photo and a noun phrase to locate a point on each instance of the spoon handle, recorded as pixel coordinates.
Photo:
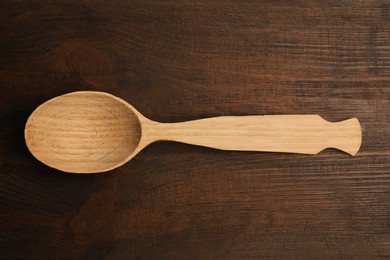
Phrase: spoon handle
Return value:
(306, 134)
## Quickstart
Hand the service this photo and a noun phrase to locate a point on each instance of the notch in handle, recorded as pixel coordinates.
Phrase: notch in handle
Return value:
(305, 134)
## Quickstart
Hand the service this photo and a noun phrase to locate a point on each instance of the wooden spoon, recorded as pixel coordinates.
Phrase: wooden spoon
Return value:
(90, 132)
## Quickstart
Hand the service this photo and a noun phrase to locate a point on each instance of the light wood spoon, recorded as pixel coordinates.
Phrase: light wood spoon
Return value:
(90, 132)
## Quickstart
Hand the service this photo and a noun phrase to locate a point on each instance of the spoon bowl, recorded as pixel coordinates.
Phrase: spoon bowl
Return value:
(83, 132)
(90, 132)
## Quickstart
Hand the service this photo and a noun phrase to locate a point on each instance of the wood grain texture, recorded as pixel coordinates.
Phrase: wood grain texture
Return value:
(94, 132)
(189, 60)
(84, 132)
(305, 134)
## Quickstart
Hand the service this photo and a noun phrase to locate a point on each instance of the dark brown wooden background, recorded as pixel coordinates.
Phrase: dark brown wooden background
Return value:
(180, 61)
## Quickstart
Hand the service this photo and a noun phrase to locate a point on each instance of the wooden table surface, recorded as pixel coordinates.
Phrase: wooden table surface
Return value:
(178, 61)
